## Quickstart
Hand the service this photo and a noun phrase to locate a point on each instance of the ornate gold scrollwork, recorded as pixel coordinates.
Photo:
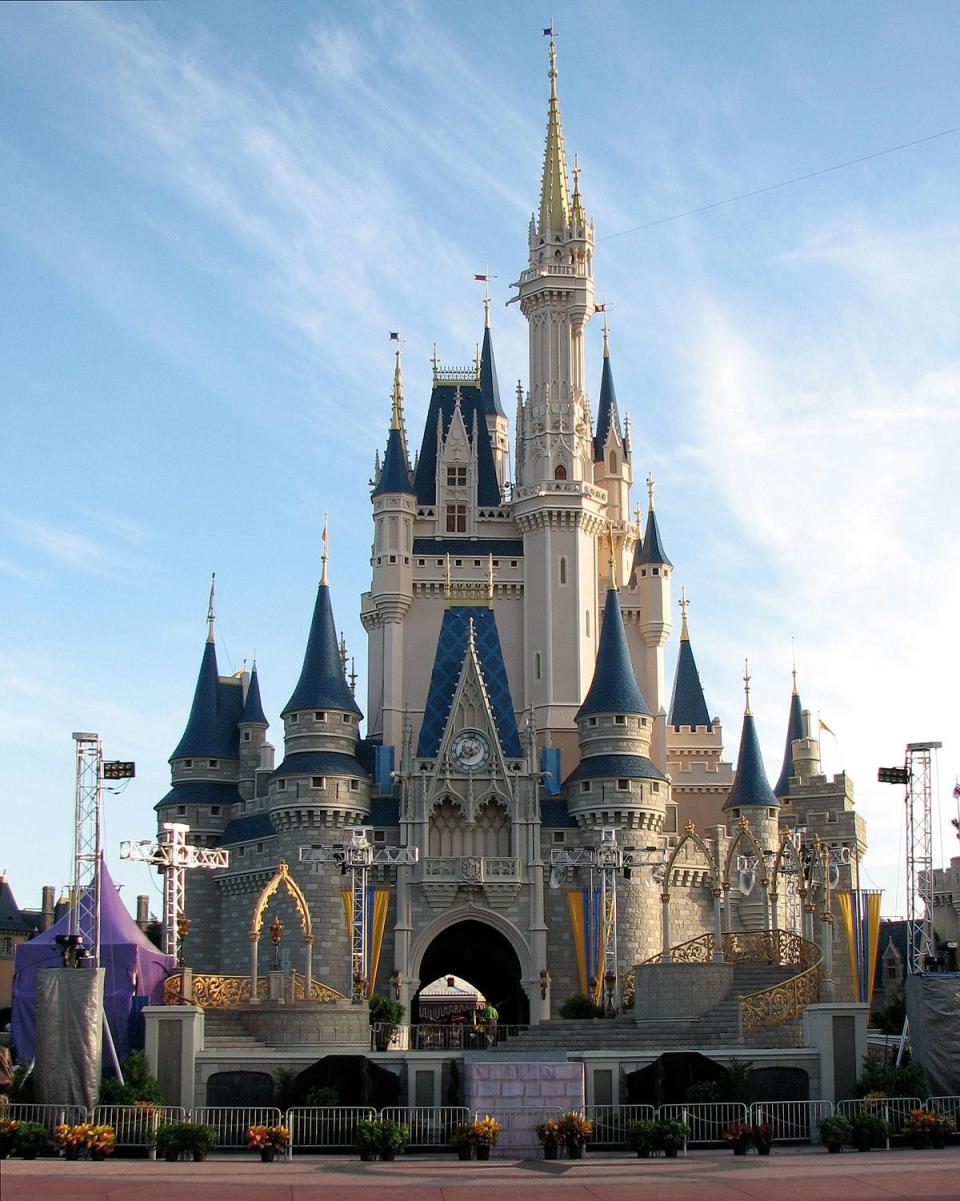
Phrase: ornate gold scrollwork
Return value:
(283, 877)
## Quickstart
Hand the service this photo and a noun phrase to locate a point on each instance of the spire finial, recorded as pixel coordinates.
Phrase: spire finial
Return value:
(343, 653)
(490, 578)
(611, 561)
(650, 487)
(486, 308)
(554, 197)
(746, 688)
(684, 636)
(325, 539)
(396, 407)
(606, 338)
(793, 652)
(211, 616)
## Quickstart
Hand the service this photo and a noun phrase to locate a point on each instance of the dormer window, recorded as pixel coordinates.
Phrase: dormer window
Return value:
(456, 477)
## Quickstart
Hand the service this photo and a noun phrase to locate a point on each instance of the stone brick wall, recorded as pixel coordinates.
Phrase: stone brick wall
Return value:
(521, 1095)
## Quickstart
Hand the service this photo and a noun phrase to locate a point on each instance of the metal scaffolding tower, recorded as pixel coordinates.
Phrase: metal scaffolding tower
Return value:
(357, 857)
(920, 853)
(87, 847)
(174, 855)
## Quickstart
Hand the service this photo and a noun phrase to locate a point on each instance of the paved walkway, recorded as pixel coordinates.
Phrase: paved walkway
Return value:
(802, 1175)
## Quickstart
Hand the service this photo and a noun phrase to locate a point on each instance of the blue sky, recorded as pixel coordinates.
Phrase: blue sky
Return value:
(212, 215)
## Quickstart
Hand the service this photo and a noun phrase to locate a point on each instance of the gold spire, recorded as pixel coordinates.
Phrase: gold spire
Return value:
(650, 487)
(746, 688)
(554, 198)
(793, 651)
(325, 539)
(578, 216)
(486, 308)
(684, 636)
(210, 612)
(612, 559)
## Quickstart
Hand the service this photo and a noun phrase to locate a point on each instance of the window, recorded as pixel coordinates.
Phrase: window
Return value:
(188, 763)
(214, 810)
(891, 972)
(281, 784)
(654, 785)
(319, 716)
(585, 786)
(586, 623)
(246, 735)
(593, 721)
(655, 570)
(6, 945)
(619, 720)
(456, 477)
(259, 848)
(456, 519)
(354, 785)
(563, 570)
(181, 811)
(293, 718)
(379, 836)
(241, 851)
(670, 820)
(623, 785)
(214, 762)
(346, 718)
(318, 782)
(560, 472)
(559, 836)
(613, 462)
(537, 665)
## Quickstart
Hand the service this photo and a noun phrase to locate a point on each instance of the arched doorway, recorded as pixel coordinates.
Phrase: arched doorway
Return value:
(479, 953)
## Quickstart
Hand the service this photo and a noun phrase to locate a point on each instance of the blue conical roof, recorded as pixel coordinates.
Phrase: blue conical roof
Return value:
(794, 730)
(211, 730)
(614, 688)
(607, 415)
(651, 550)
(688, 707)
(750, 784)
(253, 708)
(395, 475)
(489, 388)
(322, 684)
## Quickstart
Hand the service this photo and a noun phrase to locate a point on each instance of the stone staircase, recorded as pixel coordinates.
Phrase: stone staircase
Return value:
(718, 1027)
(223, 1030)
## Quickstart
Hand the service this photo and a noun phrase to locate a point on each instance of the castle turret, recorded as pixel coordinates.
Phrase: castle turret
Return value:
(256, 754)
(611, 452)
(616, 783)
(495, 417)
(794, 731)
(320, 769)
(651, 588)
(751, 796)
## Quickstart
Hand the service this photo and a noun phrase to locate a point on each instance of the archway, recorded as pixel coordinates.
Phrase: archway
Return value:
(482, 955)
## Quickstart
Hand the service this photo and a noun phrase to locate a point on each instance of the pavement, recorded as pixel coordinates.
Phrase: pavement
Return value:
(807, 1174)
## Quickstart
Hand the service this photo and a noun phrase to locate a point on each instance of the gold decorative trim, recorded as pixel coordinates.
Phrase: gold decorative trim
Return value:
(283, 877)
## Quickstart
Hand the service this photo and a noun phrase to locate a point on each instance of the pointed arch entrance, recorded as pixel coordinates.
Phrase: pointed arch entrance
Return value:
(482, 955)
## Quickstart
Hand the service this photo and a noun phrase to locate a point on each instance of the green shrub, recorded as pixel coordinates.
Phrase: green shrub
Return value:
(139, 1083)
(642, 1136)
(836, 1130)
(185, 1138)
(908, 1081)
(578, 1007)
(32, 1138)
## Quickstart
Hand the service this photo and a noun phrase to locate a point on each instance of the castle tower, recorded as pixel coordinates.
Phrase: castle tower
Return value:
(256, 754)
(495, 417)
(611, 461)
(556, 506)
(320, 781)
(794, 731)
(394, 510)
(700, 781)
(751, 796)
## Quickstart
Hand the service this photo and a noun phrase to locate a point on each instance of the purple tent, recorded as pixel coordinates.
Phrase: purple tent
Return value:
(135, 972)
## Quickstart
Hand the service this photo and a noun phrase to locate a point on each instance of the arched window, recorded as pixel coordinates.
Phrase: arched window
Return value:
(560, 472)
(586, 617)
(613, 462)
(538, 665)
(563, 570)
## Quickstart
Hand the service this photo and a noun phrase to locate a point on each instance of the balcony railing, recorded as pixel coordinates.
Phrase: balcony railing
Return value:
(470, 869)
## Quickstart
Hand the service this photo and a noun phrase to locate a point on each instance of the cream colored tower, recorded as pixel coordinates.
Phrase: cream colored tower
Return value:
(558, 509)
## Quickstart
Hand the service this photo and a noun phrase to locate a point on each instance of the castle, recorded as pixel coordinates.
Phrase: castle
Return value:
(517, 710)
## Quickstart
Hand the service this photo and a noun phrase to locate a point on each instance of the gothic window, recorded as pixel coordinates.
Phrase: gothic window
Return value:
(613, 462)
(563, 570)
(456, 519)
(586, 623)
(560, 472)
(446, 831)
(538, 665)
(6, 946)
(456, 477)
(491, 834)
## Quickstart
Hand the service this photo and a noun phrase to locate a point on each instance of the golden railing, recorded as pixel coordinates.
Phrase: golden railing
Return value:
(227, 992)
(780, 1002)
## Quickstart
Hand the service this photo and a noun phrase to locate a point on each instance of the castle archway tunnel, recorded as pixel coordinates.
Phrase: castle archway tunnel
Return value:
(480, 954)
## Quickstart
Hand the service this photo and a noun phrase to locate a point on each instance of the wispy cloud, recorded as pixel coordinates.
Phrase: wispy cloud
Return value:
(64, 546)
(8, 567)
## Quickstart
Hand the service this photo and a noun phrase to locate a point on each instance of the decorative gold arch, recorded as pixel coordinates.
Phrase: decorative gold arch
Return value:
(745, 834)
(788, 849)
(690, 835)
(283, 877)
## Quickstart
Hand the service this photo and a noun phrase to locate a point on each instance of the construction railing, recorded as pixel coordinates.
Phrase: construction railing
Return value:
(136, 1125)
(232, 1124)
(791, 1121)
(50, 1116)
(894, 1110)
(325, 1128)
(611, 1122)
(428, 1127)
(706, 1120)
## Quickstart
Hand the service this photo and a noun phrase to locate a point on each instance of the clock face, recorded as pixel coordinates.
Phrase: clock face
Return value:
(471, 749)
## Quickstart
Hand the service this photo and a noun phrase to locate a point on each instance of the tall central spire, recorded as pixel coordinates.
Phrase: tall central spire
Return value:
(554, 196)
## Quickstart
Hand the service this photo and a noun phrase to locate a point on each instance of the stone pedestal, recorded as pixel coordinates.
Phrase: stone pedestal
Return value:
(314, 1024)
(174, 1035)
(838, 1033)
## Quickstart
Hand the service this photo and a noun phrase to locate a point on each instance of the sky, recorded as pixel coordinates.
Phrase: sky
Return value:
(211, 216)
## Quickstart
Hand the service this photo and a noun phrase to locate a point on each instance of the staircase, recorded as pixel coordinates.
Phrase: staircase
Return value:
(223, 1030)
(719, 1027)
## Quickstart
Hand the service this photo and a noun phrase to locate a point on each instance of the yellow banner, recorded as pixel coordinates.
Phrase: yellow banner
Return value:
(845, 905)
(575, 905)
(873, 940)
(378, 904)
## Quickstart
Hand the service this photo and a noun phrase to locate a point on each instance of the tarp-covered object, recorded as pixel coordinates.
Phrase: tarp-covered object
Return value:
(933, 1010)
(135, 972)
(69, 1042)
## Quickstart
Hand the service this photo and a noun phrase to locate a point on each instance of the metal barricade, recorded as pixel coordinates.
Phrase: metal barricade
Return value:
(707, 1120)
(135, 1125)
(948, 1106)
(325, 1127)
(50, 1116)
(792, 1121)
(231, 1123)
(894, 1109)
(612, 1122)
(517, 1125)
(428, 1127)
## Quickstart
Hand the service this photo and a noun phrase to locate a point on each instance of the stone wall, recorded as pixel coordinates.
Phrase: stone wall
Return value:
(522, 1095)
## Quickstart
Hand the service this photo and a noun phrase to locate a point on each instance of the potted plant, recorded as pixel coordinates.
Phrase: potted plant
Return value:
(671, 1135)
(103, 1140)
(175, 1139)
(945, 1126)
(73, 1140)
(835, 1131)
(268, 1140)
(548, 1133)
(385, 1019)
(31, 1139)
(918, 1126)
(739, 1136)
(393, 1138)
(367, 1138)
(483, 1135)
(8, 1136)
(573, 1130)
(642, 1137)
(761, 1134)
(869, 1130)
(461, 1139)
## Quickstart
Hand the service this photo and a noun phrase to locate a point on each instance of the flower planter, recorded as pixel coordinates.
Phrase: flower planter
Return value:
(172, 1156)
(763, 1148)
(98, 1156)
(266, 1154)
(671, 1152)
(483, 1152)
(29, 1154)
(575, 1151)
(938, 1140)
(366, 1155)
(464, 1153)
(739, 1148)
(835, 1148)
(71, 1153)
(387, 1153)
